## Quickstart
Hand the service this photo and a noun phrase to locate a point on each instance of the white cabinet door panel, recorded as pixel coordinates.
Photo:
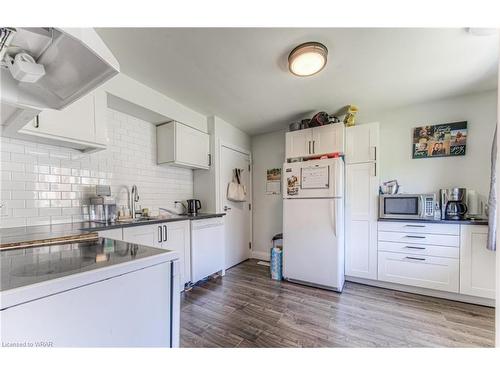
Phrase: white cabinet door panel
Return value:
(361, 143)
(298, 143)
(192, 146)
(420, 271)
(181, 145)
(178, 238)
(361, 221)
(477, 263)
(328, 139)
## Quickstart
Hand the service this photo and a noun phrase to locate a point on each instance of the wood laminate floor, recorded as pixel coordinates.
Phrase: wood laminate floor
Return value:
(245, 308)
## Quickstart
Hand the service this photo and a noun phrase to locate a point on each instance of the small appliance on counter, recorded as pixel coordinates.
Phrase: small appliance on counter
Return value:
(102, 208)
(193, 206)
(407, 206)
(453, 203)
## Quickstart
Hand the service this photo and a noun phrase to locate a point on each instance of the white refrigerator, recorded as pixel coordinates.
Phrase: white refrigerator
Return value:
(313, 223)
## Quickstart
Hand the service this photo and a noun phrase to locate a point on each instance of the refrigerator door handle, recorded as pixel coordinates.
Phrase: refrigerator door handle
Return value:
(334, 221)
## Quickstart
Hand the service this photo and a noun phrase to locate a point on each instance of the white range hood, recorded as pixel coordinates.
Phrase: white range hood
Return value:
(74, 61)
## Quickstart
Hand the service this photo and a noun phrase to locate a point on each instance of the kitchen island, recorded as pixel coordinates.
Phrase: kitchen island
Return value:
(94, 293)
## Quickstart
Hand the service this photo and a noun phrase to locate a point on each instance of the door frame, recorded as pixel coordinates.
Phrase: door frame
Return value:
(220, 186)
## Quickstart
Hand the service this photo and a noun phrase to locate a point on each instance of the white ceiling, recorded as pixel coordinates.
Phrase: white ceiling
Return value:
(241, 74)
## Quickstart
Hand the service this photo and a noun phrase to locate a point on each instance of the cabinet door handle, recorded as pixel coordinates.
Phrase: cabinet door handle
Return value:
(374, 169)
(165, 233)
(309, 147)
(209, 160)
(36, 124)
(415, 236)
(415, 247)
(375, 153)
(414, 258)
(160, 235)
(415, 226)
(314, 151)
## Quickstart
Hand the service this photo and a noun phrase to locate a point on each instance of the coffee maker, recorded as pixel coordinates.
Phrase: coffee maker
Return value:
(453, 203)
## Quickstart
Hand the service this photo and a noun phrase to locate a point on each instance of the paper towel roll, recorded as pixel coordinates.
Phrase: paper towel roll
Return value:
(473, 208)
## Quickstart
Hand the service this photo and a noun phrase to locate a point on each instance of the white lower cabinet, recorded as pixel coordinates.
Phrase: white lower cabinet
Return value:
(477, 263)
(446, 257)
(420, 271)
(171, 236)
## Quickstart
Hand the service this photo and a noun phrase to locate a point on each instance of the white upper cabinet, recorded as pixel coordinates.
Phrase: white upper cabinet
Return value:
(477, 263)
(81, 125)
(317, 141)
(298, 143)
(362, 143)
(328, 139)
(181, 145)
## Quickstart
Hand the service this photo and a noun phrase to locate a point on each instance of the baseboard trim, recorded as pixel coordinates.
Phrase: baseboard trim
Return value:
(260, 255)
(426, 292)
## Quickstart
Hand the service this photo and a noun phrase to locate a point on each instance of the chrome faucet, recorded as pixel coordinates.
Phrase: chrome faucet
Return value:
(133, 200)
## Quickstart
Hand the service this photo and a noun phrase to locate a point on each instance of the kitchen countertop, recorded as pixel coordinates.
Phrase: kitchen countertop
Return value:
(22, 267)
(21, 237)
(92, 226)
(462, 222)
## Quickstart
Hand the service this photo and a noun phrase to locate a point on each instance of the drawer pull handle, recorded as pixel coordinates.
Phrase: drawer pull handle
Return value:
(413, 258)
(415, 226)
(415, 236)
(415, 247)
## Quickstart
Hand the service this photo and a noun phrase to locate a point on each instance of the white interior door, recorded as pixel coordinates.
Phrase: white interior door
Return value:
(238, 213)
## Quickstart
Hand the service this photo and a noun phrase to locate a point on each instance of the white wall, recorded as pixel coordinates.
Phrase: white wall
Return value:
(268, 151)
(429, 175)
(43, 184)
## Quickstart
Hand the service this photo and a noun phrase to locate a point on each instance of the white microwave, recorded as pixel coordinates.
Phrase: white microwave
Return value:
(407, 206)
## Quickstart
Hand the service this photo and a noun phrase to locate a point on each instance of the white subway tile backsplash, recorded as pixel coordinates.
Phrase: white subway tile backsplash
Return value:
(49, 184)
(18, 194)
(49, 178)
(55, 211)
(24, 212)
(50, 195)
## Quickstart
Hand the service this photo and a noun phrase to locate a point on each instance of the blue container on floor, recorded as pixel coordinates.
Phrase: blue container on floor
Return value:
(276, 264)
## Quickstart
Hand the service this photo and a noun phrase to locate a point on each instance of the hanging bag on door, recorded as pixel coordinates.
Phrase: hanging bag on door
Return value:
(236, 192)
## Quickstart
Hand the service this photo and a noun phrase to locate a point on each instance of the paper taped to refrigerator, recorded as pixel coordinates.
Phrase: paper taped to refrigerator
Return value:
(315, 177)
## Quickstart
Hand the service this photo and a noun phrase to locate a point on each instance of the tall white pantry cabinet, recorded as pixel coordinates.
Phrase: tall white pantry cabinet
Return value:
(361, 191)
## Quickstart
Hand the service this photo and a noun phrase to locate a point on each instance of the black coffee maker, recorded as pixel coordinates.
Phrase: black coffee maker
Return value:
(453, 206)
(193, 206)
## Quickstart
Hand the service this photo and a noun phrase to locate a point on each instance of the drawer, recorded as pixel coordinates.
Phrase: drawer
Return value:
(420, 238)
(427, 250)
(420, 271)
(419, 227)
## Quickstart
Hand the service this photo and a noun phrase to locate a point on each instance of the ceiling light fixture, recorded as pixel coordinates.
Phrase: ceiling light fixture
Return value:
(307, 59)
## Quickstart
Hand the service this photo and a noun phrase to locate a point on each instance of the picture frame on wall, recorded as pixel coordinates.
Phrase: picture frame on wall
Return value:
(441, 140)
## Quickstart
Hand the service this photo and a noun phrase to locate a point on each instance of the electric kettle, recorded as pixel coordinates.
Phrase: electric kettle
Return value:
(193, 205)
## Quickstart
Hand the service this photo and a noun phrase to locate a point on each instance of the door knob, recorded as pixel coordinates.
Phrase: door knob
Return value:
(226, 208)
